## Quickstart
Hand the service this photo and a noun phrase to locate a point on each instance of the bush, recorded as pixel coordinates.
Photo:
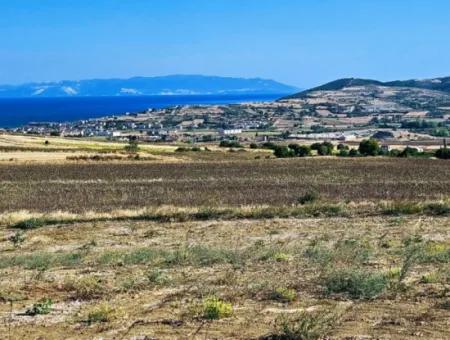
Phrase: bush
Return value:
(353, 153)
(369, 147)
(42, 307)
(32, 223)
(86, 288)
(283, 152)
(214, 309)
(323, 149)
(443, 153)
(17, 239)
(409, 152)
(309, 197)
(356, 284)
(101, 313)
(229, 144)
(157, 277)
(300, 150)
(269, 145)
(253, 146)
(343, 153)
(283, 295)
(306, 326)
(132, 146)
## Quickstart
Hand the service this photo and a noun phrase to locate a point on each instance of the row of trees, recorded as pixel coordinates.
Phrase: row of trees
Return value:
(368, 147)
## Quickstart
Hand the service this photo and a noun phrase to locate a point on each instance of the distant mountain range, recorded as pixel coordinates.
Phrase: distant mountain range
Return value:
(138, 86)
(436, 84)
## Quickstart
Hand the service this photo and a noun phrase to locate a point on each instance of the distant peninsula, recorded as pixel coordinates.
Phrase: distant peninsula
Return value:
(142, 86)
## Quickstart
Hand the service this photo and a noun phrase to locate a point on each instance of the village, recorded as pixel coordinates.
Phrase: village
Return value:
(348, 115)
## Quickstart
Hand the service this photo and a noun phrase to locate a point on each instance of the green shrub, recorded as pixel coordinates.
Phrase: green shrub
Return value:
(132, 146)
(214, 309)
(230, 144)
(306, 326)
(44, 306)
(17, 239)
(344, 153)
(157, 277)
(402, 208)
(281, 151)
(443, 153)
(283, 294)
(437, 209)
(32, 223)
(369, 147)
(353, 153)
(431, 278)
(309, 197)
(101, 313)
(355, 283)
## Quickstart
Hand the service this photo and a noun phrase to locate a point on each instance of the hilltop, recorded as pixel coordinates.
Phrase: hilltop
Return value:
(435, 84)
(137, 86)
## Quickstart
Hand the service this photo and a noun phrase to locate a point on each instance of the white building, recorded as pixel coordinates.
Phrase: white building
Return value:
(229, 132)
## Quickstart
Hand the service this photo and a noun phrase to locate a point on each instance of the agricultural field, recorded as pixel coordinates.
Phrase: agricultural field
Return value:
(225, 248)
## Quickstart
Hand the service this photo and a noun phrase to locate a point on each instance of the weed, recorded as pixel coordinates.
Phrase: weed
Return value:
(32, 223)
(306, 326)
(356, 284)
(42, 307)
(86, 288)
(402, 208)
(214, 309)
(157, 277)
(101, 313)
(283, 294)
(431, 278)
(17, 239)
(309, 197)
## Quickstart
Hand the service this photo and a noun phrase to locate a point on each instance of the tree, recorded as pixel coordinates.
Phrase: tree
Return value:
(342, 147)
(369, 147)
(283, 152)
(300, 150)
(443, 153)
(323, 149)
(132, 146)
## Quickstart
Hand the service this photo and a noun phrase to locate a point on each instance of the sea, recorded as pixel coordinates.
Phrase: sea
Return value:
(15, 112)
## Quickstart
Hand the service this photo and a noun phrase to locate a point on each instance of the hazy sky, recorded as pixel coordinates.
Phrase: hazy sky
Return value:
(300, 42)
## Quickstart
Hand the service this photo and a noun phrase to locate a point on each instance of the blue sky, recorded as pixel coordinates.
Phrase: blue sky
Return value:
(300, 42)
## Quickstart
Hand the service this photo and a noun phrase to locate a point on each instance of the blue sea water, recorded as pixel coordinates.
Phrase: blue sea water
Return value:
(19, 111)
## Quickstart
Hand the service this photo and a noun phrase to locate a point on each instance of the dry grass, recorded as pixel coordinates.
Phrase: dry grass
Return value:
(158, 274)
(226, 249)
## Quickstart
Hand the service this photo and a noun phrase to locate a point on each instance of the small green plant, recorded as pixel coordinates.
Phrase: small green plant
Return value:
(101, 313)
(283, 294)
(42, 307)
(305, 326)
(356, 284)
(393, 274)
(309, 197)
(157, 277)
(132, 146)
(214, 309)
(17, 239)
(281, 257)
(431, 278)
(32, 223)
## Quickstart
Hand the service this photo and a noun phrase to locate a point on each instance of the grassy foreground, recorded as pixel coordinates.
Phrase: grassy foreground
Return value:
(287, 249)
